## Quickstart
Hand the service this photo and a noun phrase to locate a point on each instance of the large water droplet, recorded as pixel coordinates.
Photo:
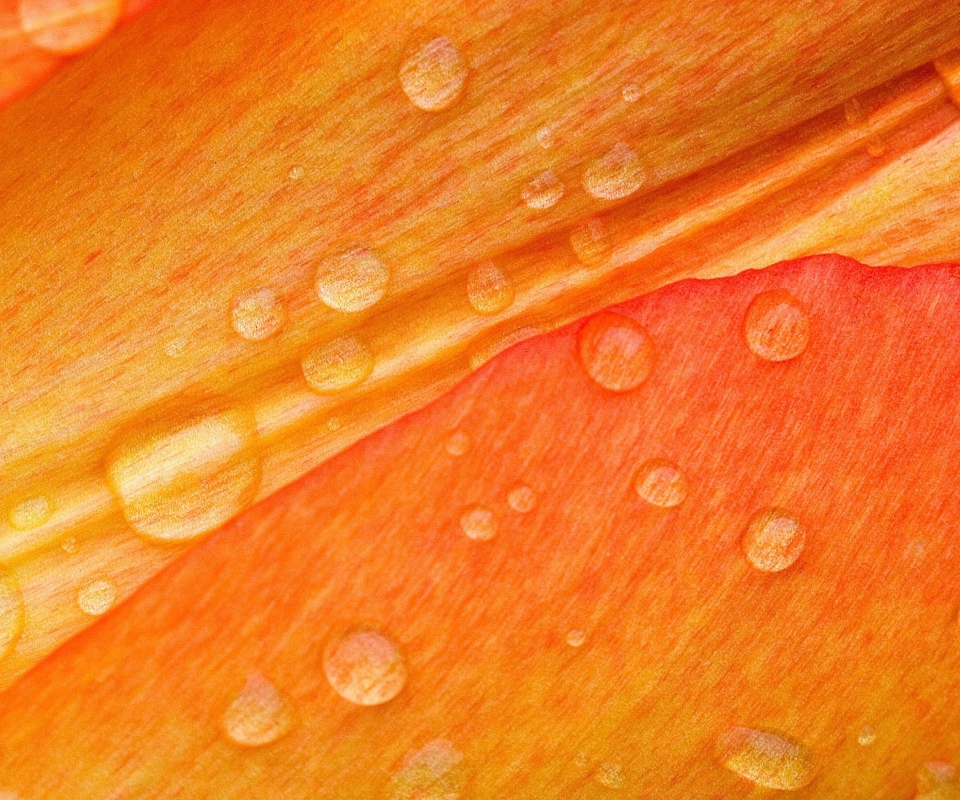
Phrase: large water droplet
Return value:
(661, 483)
(543, 191)
(178, 480)
(433, 73)
(615, 175)
(31, 513)
(479, 523)
(488, 289)
(522, 499)
(257, 314)
(97, 597)
(774, 540)
(776, 326)
(338, 364)
(616, 352)
(352, 281)
(259, 715)
(591, 242)
(457, 444)
(434, 772)
(68, 26)
(610, 775)
(365, 667)
(11, 614)
(767, 758)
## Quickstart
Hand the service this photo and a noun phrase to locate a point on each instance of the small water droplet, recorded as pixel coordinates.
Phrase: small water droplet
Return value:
(334, 424)
(257, 314)
(853, 111)
(433, 73)
(352, 281)
(610, 775)
(69, 545)
(661, 483)
(867, 736)
(296, 173)
(522, 499)
(576, 638)
(776, 326)
(631, 93)
(365, 667)
(876, 147)
(97, 597)
(767, 758)
(259, 715)
(457, 444)
(338, 364)
(68, 26)
(545, 137)
(581, 760)
(31, 513)
(175, 347)
(543, 191)
(591, 242)
(615, 351)
(615, 175)
(774, 540)
(434, 772)
(488, 289)
(937, 780)
(479, 523)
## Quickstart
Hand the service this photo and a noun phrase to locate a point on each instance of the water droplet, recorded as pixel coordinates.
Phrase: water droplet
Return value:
(615, 175)
(867, 736)
(488, 289)
(853, 111)
(68, 26)
(69, 545)
(97, 597)
(458, 443)
(259, 715)
(543, 191)
(661, 483)
(937, 780)
(11, 614)
(175, 347)
(774, 540)
(479, 523)
(766, 758)
(365, 667)
(545, 137)
(522, 499)
(176, 480)
(352, 281)
(334, 424)
(591, 242)
(434, 772)
(338, 364)
(615, 351)
(257, 314)
(576, 638)
(433, 74)
(296, 173)
(31, 513)
(631, 93)
(776, 326)
(581, 760)
(610, 775)
(876, 147)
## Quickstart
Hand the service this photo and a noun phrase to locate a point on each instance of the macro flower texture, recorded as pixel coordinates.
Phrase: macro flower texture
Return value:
(544, 400)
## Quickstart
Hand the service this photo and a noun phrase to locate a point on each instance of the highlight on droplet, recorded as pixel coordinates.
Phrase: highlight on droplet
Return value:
(767, 758)
(337, 365)
(259, 714)
(433, 73)
(616, 352)
(365, 667)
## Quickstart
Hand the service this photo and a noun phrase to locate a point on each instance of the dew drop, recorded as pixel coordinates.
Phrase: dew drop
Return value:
(631, 93)
(581, 760)
(545, 137)
(259, 715)
(11, 614)
(522, 499)
(591, 242)
(97, 597)
(433, 74)
(774, 540)
(296, 173)
(867, 736)
(352, 281)
(31, 513)
(766, 758)
(479, 523)
(176, 347)
(334, 424)
(615, 175)
(338, 364)
(457, 444)
(615, 351)
(365, 667)
(434, 772)
(176, 480)
(543, 191)
(69, 545)
(876, 147)
(937, 780)
(661, 483)
(776, 326)
(610, 775)
(68, 26)
(576, 638)
(257, 314)
(488, 289)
